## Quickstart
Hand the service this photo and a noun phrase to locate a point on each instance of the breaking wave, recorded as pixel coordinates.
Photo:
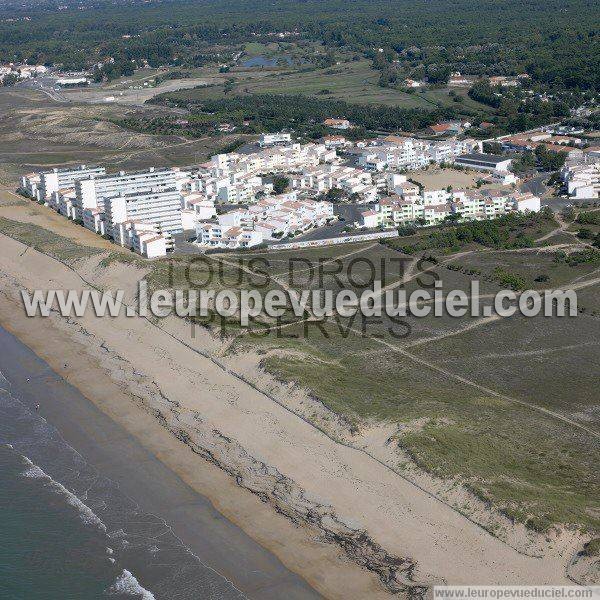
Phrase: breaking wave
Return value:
(87, 515)
(126, 583)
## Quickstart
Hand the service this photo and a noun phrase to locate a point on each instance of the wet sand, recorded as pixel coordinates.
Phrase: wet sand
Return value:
(113, 452)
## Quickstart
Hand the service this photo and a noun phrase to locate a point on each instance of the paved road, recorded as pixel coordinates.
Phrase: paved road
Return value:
(536, 185)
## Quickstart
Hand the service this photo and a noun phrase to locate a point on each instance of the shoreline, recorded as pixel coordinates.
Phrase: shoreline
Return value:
(319, 567)
(114, 453)
(296, 474)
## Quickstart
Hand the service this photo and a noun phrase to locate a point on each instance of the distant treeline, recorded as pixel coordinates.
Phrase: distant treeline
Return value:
(555, 41)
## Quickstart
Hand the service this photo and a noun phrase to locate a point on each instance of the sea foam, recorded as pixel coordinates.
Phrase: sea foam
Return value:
(87, 515)
(126, 583)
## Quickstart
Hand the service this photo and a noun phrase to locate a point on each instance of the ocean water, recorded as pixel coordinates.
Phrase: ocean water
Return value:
(67, 532)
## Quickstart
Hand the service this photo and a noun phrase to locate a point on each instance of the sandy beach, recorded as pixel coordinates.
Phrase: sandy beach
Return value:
(112, 451)
(351, 527)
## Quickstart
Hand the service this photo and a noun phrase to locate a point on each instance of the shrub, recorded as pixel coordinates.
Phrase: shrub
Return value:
(592, 548)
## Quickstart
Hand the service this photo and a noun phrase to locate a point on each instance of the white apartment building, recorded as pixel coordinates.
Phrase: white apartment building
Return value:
(323, 178)
(144, 238)
(335, 141)
(161, 208)
(271, 218)
(57, 179)
(272, 160)
(582, 180)
(94, 220)
(433, 206)
(241, 188)
(524, 202)
(396, 152)
(30, 184)
(93, 191)
(215, 235)
(63, 201)
(196, 207)
(237, 218)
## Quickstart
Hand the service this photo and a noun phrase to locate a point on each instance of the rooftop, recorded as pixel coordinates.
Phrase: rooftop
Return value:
(490, 159)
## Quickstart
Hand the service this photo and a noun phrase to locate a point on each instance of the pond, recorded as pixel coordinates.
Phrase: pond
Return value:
(265, 61)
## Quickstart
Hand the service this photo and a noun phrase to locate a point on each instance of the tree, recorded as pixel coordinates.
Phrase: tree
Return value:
(280, 184)
(334, 195)
(492, 147)
(9, 79)
(549, 160)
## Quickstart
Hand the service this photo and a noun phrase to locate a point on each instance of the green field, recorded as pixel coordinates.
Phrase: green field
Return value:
(354, 82)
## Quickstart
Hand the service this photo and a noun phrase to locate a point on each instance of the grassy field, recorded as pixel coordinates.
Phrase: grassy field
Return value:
(466, 399)
(354, 82)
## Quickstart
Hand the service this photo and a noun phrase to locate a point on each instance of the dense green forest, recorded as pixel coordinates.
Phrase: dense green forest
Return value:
(273, 112)
(557, 42)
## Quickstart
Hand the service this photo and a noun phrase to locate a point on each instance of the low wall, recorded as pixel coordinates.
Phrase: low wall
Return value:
(349, 239)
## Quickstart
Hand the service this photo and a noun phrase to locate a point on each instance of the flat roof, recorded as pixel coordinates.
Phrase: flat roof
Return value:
(491, 159)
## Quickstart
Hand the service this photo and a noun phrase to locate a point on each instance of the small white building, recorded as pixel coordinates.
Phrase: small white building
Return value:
(274, 139)
(371, 218)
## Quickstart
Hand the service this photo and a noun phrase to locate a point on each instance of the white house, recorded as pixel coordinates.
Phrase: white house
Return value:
(272, 139)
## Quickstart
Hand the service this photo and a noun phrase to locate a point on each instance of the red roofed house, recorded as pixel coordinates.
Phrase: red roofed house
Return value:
(337, 123)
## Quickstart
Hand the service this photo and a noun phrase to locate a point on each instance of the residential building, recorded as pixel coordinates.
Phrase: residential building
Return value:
(144, 238)
(161, 208)
(63, 201)
(57, 179)
(337, 123)
(94, 220)
(335, 141)
(273, 139)
(432, 207)
(439, 129)
(30, 184)
(93, 190)
(582, 180)
(196, 207)
(215, 235)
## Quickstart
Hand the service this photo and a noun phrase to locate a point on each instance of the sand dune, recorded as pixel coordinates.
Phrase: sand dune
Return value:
(385, 523)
